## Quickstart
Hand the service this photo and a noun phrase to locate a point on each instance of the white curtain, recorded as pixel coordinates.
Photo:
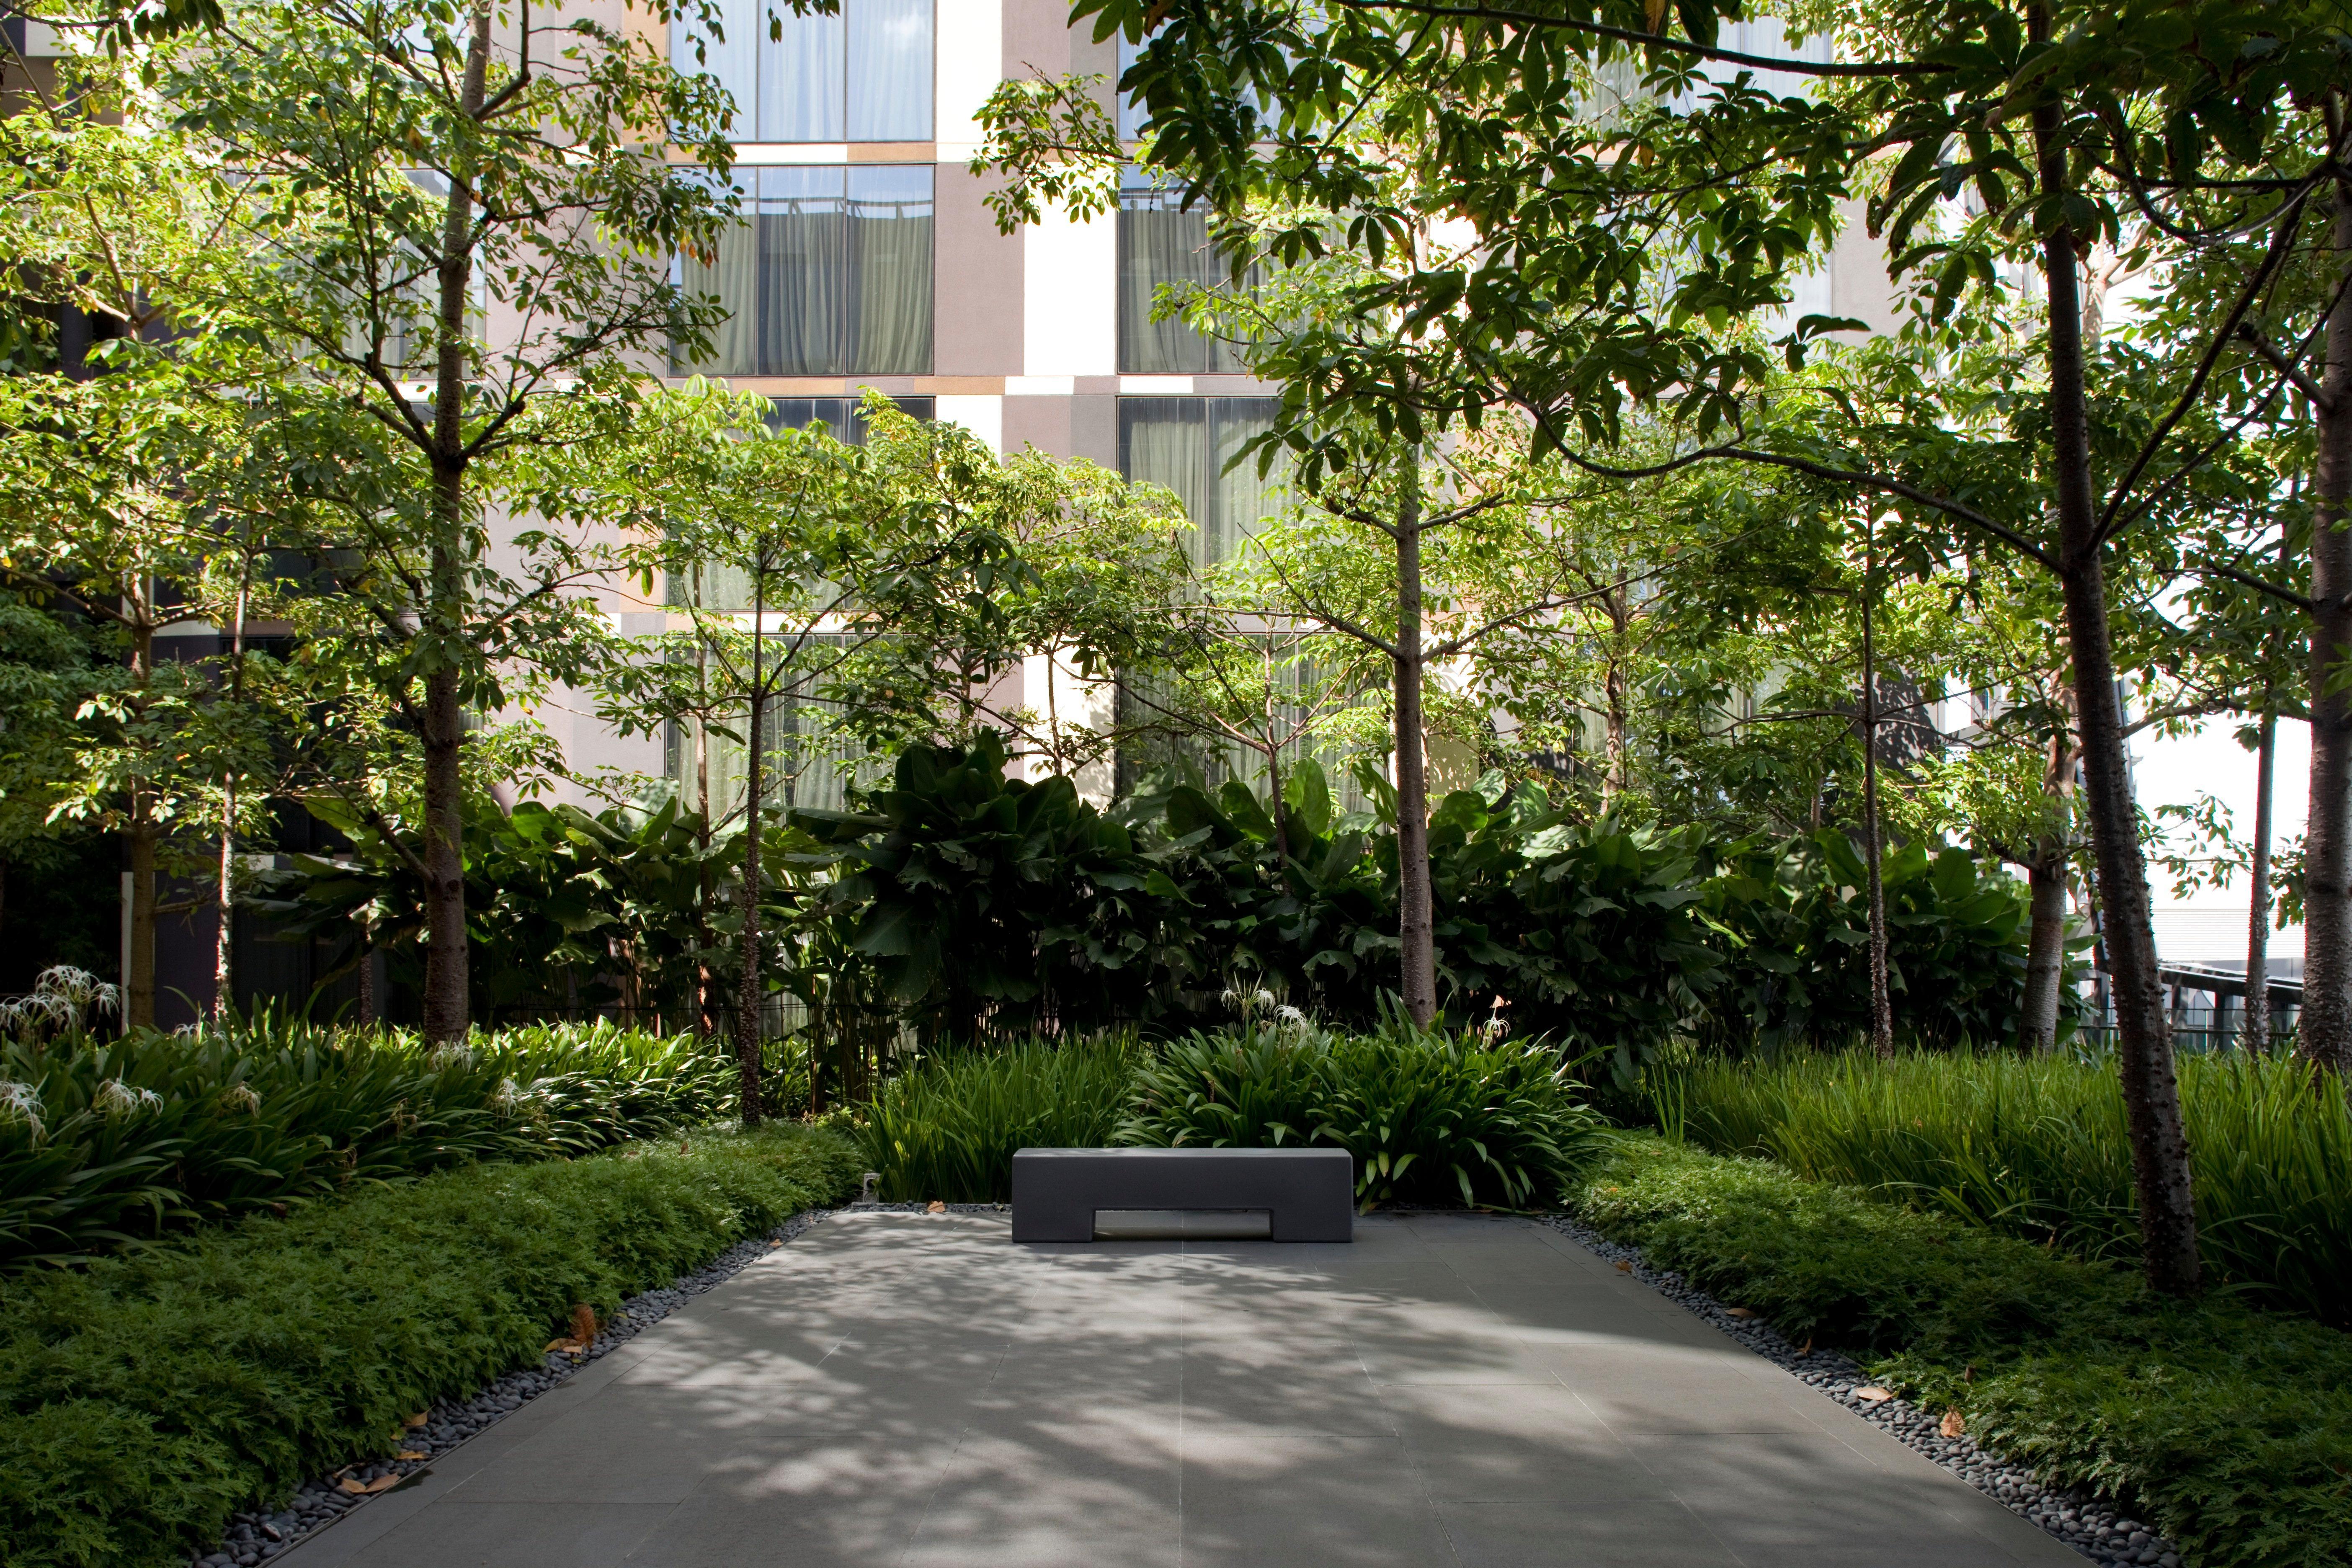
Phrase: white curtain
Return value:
(889, 70)
(800, 77)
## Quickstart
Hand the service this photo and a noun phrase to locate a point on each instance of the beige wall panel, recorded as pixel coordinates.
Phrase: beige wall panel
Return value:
(979, 305)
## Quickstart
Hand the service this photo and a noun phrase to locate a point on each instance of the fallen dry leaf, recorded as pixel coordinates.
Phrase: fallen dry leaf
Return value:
(412, 1454)
(369, 1489)
(584, 1323)
(419, 1419)
(1953, 1425)
(1874, 1394)
(1807, 1348)
(555, 1345)
(1739, 1312)
(1623, 1267)
(937, 1207)
(772, 1245)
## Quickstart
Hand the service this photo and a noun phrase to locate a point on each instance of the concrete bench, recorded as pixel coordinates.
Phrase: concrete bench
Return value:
(1309, 1194)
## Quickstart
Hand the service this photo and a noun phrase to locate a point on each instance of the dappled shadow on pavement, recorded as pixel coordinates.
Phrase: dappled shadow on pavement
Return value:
(915, 1389)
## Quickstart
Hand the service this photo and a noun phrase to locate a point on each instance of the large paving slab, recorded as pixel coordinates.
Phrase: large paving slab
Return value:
(915, 1389)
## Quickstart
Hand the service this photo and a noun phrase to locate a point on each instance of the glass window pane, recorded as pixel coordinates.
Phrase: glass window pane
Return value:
(732, 274)
(804, 278)
(1159, 243)
(1131, 111)
(800, 78)
(889, 70)
(1165, 441)
(731, 60)
(891, 226)
(1241, 498)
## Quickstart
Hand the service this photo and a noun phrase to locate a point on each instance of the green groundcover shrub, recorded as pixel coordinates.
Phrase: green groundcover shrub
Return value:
(2231, 1428)
(2035, 1146)
(145, 1398)
(1430, 1117)
(108, 1145)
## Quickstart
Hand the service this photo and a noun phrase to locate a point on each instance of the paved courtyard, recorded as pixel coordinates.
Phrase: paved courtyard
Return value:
(911, 1389)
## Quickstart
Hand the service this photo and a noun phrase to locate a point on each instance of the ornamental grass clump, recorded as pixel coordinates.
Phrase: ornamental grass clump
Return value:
(113, 1145)
(947, 1128)
(2036, 1147)
(1431, 1116)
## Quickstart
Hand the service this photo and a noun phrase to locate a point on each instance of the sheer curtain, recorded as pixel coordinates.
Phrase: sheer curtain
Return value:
(889, 70)
(1242, 499)
(733, 276)
(1159, 244)
(1165, 441)
(891, 226)
(804, 281)
(731, 60)
(801, 78)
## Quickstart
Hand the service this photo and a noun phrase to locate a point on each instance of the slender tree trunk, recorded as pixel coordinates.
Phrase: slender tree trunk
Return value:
(1882, 1003)
(707, 1002)
(448, 1003)
(371, 1009)
(139, 984)
(225, 936)
(2323, 1033)
(1416, 936)
(448, 1006)
(2045, 954)
(2254, 1031)
(1619, 723)
(2151, 1093)
(140, 834)
(747, 992)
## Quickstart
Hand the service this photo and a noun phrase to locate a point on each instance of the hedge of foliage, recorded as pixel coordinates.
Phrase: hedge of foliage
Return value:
(987, 902)
(2231, 1428)
(143, 1399)
(2035, 1146)
(105, 1145)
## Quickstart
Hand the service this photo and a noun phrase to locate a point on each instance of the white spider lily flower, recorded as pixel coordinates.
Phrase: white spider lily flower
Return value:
(21, 1103)
(116, 1098)
(241, 1097)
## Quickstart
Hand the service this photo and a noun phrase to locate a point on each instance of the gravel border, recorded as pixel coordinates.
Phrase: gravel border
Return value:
(2074, 1517)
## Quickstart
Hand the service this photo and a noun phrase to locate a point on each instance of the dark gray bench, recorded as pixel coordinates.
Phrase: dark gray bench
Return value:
(1309, 1194)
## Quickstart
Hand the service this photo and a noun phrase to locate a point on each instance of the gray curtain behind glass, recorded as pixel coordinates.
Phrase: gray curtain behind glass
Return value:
(1184, 444)
(1159, 242)
(832, 275)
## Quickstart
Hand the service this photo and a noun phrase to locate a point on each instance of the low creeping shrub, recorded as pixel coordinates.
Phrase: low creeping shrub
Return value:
(145, 1398)
(107, 1145)
(2232, 1428)
(2035, 1146)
